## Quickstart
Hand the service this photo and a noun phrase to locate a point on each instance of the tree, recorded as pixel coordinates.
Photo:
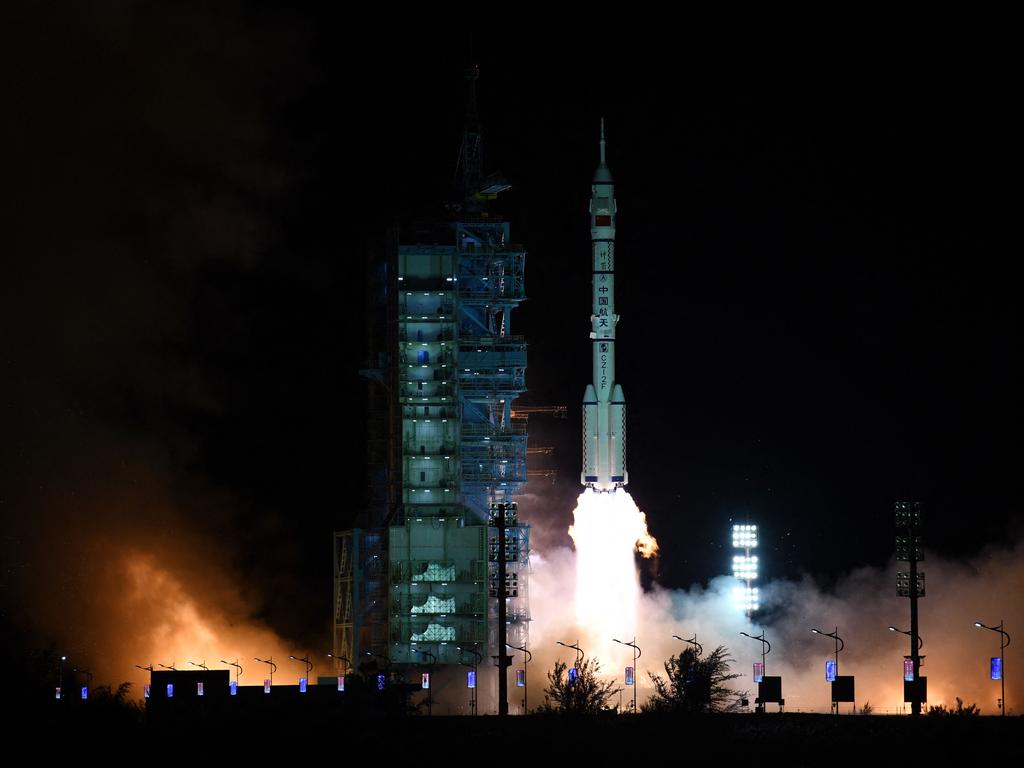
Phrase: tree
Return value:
(695, 684)
(971, 710)
(587, 695)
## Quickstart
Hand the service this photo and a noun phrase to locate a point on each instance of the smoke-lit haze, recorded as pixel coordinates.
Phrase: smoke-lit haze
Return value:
(862, 603)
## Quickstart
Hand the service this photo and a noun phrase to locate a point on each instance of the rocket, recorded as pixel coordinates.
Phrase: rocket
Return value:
(604, 404)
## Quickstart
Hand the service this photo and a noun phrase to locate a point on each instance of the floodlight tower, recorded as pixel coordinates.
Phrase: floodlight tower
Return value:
(744, 568)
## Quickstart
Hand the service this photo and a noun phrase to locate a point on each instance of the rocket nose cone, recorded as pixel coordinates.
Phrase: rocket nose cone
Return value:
(589, 395)
(617, 394)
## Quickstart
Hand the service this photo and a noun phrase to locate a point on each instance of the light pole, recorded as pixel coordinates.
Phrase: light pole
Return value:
(920, 642)
(636, 655)
(237, 666)
(477, 658)
(693, 642)
(348, 664)
(430, 682)
(526, 667)
(1004, 641)
(387, 668)
(575, 647)
(766, 648)
(273, 667)
(172, 667)
(60, 676)
(839, 646)
(201, 665)
(147, 669)
(307, 662)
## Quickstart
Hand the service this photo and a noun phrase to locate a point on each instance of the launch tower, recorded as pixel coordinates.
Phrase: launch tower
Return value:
(419, 581)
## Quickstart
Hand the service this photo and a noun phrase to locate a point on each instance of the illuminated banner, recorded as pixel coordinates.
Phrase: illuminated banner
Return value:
(85, 692)
(425, 683)
(266, 685)
(520, 678)
(471, 679)
(234, 687)
(341, 682)
(908, 670)
(830, 670)
(380, 682)
(997, 668)
(199, 689)
(302, 685)
(629, 675)
(58, 693)
(573, 672)
(170, 690)
(758, 671)
(145, 691)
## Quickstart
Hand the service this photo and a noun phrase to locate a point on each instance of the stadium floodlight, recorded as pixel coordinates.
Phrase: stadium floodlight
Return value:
(744, 567)
(744, 536)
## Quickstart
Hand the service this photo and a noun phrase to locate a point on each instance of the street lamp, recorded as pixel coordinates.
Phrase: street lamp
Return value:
(237, 666)
(273, 667)
(693, 642)
(576, 647)
(307, 662)
(172, 667)
(348, 664)
(387, 669)
(920, 642)
(636, 655)
(60, 677)
(526, 666)
(766, 648)
(477, 658)
(1004, 641)
(201, 665)
(839, 646)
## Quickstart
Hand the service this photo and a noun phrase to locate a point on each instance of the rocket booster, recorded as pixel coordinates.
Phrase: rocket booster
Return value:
(604, 404)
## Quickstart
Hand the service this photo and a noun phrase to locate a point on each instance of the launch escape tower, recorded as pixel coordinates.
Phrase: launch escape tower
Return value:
(418, 581)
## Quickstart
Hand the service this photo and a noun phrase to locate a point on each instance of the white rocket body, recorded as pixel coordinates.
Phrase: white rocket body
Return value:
(604, 404)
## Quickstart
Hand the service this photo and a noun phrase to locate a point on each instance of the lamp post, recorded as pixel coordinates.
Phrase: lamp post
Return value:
(348, 663)
(576, 647)
(60, 676)
(526, 667)
(1004, 641)
(477, 658)
(172, 667)
(387, 667)
(636, 655)
(237, 666)
(201, 665)
(693, 642)
(273, 667)
(766, 648)
(920, 642)
(839, 646)
(307, 662)
(430, 670)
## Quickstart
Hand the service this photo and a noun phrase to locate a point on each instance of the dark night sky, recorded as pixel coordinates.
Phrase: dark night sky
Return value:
(815, 282)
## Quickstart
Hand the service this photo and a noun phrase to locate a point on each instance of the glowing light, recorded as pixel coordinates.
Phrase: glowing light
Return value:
(608, 530)
(744, 536)
(746, 598)
(744, 567)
